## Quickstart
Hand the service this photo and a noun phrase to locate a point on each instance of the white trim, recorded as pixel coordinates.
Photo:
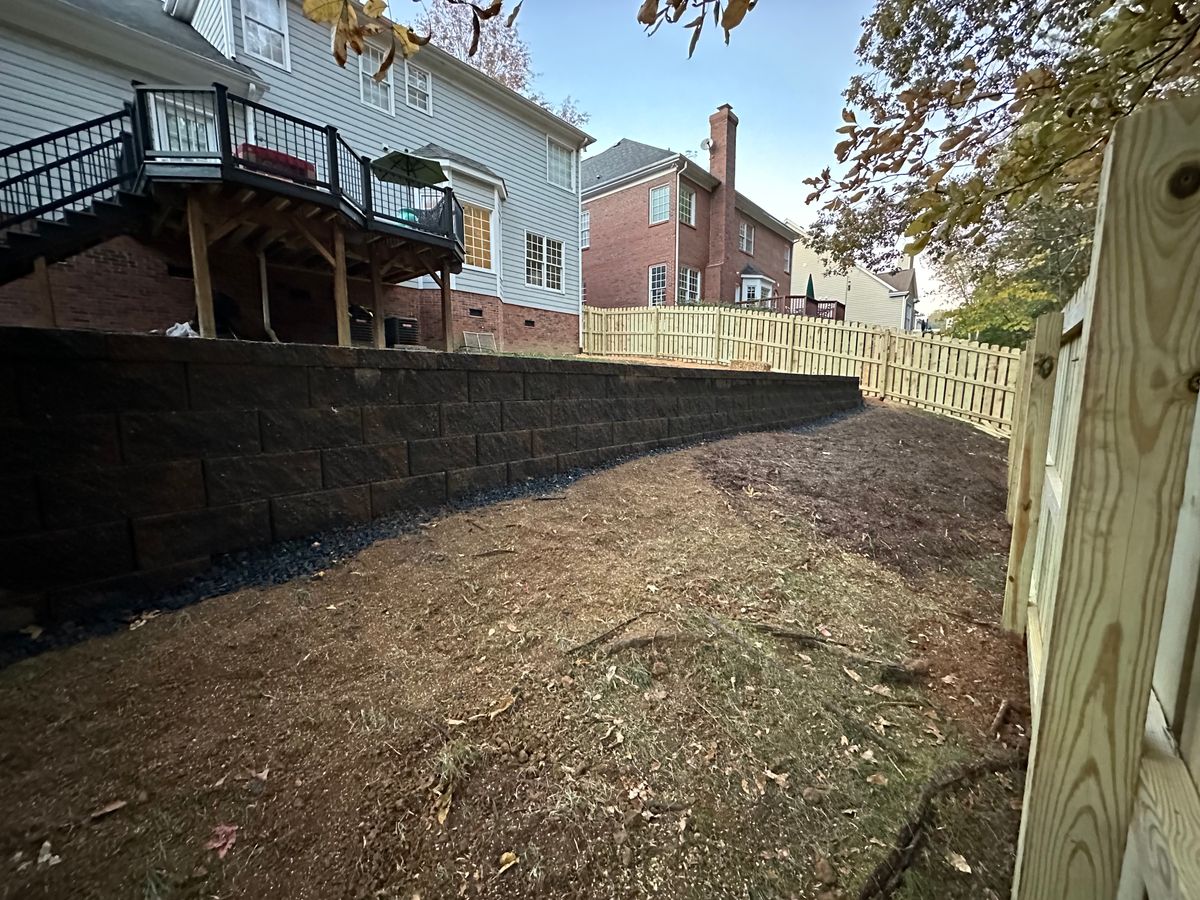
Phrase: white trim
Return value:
(658, 170)
(428, 88)
(699, 283)
(579, 249)
(650, 203)
(573, 174)
(678, 194)
(585, 212)
(680, 188)
(286, 65)
(497, 242)
(391, 107)
(746, 236)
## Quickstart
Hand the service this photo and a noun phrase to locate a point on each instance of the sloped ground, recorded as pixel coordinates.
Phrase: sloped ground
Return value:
(447, 713)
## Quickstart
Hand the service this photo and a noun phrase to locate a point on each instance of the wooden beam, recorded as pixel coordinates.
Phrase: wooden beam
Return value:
(303, 231)
(447, 310)
(230, 225)
(201, 276)
(41, 276)
(1040, 367)
(377, 300)
(1139, 355)
(341, 287)
(264, 287)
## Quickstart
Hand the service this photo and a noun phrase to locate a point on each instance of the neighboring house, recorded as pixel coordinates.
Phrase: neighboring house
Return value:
(512, 165)
(888, 300)
(658, 230)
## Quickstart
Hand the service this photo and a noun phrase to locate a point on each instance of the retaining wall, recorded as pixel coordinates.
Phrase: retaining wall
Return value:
(128, 460)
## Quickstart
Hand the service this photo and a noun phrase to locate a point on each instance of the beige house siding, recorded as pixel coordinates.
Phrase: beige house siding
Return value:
(866, 297)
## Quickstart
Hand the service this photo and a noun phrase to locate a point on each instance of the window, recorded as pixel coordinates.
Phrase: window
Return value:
(543, 262)
(477, 236)
(585, 229)
(183, 127)
(660, 204)
(687, 205)
(751, 292)
(475, 312)
(560, 165)
(658, 285)
(787, 260)
(372, 92)
(746, 237)
(264, 30)
(418, 88)
(688, 291)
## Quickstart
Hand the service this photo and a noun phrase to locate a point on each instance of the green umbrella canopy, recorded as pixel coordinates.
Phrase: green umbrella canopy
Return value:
(809, 293)
(408, 169)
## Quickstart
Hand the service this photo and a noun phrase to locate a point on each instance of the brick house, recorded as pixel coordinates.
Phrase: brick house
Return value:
(508, 247)
(658, 230)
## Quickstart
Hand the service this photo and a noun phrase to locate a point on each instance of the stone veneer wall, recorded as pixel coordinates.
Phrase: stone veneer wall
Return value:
(129, 460)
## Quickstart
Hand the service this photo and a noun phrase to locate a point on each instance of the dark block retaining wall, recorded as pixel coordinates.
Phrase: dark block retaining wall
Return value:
(129, 460)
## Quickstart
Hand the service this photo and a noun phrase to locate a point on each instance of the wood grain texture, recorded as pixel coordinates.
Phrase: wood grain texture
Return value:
(201, 275)
(1031, 467)
(1167, 820)
(1123, 493)
(1024, 380)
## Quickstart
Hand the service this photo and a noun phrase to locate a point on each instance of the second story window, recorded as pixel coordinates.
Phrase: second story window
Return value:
(372, 92)
(543, 262)
(418, 88)
(264, 30)
(746, 237)
(660, 204)
(585, 229)
(787, 260)
(477, 236)
(560, 165)
(687, 205)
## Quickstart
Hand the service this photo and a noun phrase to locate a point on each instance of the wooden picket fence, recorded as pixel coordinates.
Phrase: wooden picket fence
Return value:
(1104, 565)
(963, 379)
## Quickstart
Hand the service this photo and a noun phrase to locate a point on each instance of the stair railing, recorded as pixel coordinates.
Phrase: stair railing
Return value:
(66, 169)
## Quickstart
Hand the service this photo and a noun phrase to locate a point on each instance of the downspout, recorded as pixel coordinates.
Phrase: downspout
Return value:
(578, 242)
(678, 181)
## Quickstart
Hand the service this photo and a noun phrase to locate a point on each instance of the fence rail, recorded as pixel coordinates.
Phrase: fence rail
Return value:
(962, 379)
(1104, 566)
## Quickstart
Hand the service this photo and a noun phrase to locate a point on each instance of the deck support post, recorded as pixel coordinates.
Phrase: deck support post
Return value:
(341, 287)
(447, 309)
(41, 275)
(201, 276)
(380, 338)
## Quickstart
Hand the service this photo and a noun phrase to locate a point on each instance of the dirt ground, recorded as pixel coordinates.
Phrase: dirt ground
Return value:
(574, 695)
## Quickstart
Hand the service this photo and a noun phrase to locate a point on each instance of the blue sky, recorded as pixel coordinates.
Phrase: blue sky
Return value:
(783, 72)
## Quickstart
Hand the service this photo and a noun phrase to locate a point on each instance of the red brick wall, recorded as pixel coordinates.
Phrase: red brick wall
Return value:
(121, 285)
(722, 231)
(624, 245)
(770, 256)
(124, 286)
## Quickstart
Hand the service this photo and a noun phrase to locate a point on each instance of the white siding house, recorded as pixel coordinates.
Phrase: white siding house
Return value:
(869, 298)
(436, 99)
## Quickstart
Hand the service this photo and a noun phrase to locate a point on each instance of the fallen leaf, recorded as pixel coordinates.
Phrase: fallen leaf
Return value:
(881, 689)
(868, 755)
(223, 839)
(949, 679)
(108, 808)
(959, 862)
(442, 807)
(261, 776)
(46, 856)
(508, 859)
(780, 778)
(878, 778)
(506, 705)
(33, 631)
(854, 676)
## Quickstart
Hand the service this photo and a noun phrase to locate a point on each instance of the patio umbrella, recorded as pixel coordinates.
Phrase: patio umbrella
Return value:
(809, 294)
(405, 168)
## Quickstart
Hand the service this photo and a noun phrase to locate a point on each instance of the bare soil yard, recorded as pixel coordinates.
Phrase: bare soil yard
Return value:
(600, 693)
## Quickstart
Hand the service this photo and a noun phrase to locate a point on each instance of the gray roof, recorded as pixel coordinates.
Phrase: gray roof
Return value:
(900, 280)
(753, 270)
(437, 151)
(623, 157)
(149, 18)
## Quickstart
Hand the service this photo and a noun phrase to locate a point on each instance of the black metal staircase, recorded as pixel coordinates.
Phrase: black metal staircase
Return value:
(67, 191)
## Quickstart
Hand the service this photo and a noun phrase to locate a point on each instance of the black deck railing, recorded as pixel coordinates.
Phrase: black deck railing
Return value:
(67, 169)
(211, 126)
(187, 128)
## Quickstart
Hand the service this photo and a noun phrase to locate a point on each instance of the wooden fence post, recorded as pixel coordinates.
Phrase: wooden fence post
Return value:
(1041, 359)
(885, 367)
(1139, 360)
(1017, 437)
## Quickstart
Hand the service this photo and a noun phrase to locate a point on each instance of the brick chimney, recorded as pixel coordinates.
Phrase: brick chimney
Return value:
(722, 220)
